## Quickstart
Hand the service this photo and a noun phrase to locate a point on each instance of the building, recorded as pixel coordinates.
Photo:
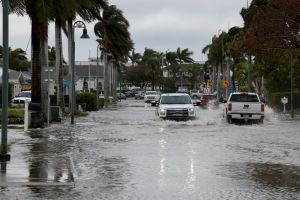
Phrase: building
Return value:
(86, 76)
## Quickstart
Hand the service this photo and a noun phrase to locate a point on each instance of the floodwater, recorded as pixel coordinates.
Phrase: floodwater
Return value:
(129, 153)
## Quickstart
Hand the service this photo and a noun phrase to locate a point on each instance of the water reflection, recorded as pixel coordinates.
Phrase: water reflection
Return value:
(3, 168)
(268, 175)
(38, 160)
(276, 175)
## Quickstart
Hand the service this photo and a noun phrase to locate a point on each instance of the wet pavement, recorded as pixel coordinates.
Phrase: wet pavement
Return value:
(128, 153)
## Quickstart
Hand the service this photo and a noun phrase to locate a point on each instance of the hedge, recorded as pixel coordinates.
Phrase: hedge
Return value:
(15, 115)
(274, 100)
(86, 100)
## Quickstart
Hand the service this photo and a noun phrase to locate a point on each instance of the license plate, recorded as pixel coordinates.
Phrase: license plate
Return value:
(246, 106)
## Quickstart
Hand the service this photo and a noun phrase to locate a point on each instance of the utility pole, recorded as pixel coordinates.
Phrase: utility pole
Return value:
(97, 89)
(292, 86)
(3, 153)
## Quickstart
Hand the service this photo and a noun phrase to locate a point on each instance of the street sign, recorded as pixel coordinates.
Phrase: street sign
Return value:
(225, 83)
(284, 100)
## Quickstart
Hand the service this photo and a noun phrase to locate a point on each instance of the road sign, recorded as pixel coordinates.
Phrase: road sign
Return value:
(284, 101)
(225, 83)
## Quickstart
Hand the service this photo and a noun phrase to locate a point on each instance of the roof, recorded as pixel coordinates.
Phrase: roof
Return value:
(13, 75)
(89, 70)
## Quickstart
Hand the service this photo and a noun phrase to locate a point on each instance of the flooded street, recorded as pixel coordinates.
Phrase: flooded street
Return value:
(128, 153)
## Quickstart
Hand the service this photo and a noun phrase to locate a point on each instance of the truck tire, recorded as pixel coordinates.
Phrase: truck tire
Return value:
(228, 119)
(261, 120)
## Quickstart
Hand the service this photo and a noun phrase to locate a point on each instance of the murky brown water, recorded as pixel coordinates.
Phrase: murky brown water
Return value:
(130, 154)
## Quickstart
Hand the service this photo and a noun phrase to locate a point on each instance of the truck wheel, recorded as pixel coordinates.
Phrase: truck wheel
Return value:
(228, 119)
(261, 120)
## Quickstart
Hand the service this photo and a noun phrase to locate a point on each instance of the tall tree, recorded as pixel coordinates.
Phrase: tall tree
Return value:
(18, 60)
(115, 38)
(135, 57)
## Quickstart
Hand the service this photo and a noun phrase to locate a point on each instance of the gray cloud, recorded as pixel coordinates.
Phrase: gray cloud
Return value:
(161, 25)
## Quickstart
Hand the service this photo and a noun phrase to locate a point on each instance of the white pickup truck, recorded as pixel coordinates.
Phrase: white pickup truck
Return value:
(245, 106)
(176, 106)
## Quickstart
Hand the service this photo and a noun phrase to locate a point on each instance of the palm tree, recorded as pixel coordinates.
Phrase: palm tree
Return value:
(184, 56)
(64, 12)
(113, 31)
(151, 59)
(40, 12)
(135, 57)
(18, 60)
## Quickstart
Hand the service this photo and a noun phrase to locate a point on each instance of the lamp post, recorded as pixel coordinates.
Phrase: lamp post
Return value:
(3, 154)
(77, 24)
(97, 66)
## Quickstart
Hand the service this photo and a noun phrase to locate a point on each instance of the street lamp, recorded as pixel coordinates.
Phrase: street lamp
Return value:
(77, 24)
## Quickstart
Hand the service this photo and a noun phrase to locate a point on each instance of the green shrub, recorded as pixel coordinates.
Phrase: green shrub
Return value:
(87, 101)
(15, 115)
(274, 100)
(101, 103)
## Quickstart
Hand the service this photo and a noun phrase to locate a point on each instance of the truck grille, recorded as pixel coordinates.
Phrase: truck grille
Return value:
(178, 113)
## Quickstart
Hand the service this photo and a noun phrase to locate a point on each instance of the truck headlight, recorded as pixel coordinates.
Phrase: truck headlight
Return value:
(162, 111)
(192, 111)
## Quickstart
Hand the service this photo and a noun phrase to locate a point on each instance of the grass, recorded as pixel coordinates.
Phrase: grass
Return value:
(9, 146)
(14, 112)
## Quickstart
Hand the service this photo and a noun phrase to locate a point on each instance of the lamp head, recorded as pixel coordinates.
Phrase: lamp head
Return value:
(84, 34)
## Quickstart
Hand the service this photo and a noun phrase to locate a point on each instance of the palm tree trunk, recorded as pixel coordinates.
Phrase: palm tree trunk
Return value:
(59, 68)
(110, 78)
(115, 83)
(45, 79)
(35, 65)
(106, 80)
(70, 44)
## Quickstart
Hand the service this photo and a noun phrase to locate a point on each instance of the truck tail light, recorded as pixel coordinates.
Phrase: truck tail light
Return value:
(262, 108)
(229, 108)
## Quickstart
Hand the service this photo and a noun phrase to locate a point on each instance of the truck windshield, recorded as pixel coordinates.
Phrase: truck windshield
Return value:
(244, 98)
(176, 100)
(151, 93)
(24, 94)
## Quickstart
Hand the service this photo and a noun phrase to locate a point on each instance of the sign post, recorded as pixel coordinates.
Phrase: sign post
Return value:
(284, 101)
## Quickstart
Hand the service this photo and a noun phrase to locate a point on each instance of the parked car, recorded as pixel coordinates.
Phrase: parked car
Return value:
(195, 94)
(207, 100)
(152, 97)
(121, 96)
(244, 106)
(176, 106)
(132, 92)
(140, 95)
(19, 100)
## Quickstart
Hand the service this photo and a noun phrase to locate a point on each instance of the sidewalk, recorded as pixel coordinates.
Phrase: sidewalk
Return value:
(36, 160)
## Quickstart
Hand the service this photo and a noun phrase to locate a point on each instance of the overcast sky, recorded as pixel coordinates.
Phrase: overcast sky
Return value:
(160, 25)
